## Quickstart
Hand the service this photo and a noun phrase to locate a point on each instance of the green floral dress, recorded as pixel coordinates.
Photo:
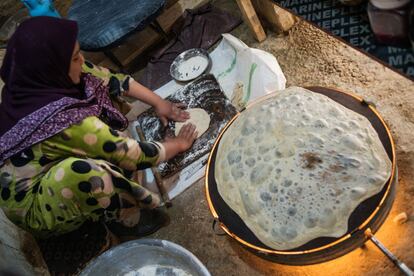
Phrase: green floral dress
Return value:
(83, 173)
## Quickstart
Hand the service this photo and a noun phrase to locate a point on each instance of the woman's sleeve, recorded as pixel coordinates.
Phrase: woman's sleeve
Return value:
(92, 138)
(118, 83)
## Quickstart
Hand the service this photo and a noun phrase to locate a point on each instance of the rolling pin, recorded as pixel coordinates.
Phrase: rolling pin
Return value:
(157, 176)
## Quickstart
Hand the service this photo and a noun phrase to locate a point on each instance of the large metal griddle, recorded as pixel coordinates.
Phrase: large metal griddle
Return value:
(369, 214)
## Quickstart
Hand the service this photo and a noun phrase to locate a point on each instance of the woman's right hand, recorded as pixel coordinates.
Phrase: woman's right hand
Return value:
(186, 137)
(182, 142)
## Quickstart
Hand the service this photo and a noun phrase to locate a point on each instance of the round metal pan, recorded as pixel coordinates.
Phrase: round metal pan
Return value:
(127, 258)
(371, 213)
(184, 56)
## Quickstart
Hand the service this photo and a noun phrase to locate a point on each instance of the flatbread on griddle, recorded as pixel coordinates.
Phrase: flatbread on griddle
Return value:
(296, 165)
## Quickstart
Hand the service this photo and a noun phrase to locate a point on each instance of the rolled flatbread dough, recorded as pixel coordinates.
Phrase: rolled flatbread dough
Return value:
(198, 117)
(295, 166)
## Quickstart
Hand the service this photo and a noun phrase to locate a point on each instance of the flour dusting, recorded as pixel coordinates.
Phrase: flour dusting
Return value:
(192, 68)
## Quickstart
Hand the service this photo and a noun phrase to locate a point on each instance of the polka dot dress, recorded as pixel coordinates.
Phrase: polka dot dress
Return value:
(55, 186)
(116, 82)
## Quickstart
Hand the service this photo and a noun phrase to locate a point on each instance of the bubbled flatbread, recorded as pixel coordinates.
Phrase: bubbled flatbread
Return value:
(295, 166)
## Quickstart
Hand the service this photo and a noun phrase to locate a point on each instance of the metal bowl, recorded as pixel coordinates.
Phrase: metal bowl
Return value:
(191, 72)
(128, 258)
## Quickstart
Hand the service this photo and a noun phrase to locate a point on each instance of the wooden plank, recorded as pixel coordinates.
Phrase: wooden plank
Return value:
(277, 18)
(137, 43)
(94, 57)
(170, 16)
(170, 3)
(251, 19)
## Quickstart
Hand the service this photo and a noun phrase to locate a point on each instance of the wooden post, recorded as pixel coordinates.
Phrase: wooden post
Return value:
(279, 20)
(250, 17)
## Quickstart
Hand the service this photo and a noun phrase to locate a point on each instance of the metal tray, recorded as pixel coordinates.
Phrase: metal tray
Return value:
(127, 258)
(183, 57)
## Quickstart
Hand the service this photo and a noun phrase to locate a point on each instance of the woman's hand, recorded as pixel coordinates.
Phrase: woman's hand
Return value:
(164, 109)
(173, 111)
(186, 137)
(182, 142)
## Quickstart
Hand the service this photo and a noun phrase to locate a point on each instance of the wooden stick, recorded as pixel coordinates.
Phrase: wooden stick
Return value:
(250, 17)
(157, 176)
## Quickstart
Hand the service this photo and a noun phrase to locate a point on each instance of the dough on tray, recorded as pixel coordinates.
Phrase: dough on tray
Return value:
(198, 117)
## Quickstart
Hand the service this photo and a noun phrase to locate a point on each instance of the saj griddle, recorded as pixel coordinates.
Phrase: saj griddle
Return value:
(365, 219)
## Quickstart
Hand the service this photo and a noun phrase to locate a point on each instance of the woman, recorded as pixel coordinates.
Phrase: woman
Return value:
(61, 160)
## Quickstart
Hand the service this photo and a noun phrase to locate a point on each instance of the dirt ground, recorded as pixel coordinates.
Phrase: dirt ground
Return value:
(308, 56)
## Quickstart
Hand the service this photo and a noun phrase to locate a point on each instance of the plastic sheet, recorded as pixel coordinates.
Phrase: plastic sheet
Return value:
(256, 71)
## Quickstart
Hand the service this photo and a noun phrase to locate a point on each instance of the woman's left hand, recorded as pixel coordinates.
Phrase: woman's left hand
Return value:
(173, 111)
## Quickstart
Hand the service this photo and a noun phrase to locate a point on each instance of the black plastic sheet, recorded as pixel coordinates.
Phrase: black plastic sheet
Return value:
(203, 93)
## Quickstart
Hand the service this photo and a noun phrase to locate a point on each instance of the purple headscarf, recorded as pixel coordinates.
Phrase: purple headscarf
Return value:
(39, 99)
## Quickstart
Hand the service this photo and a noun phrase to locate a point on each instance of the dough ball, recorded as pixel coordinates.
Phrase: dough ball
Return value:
(198, 117)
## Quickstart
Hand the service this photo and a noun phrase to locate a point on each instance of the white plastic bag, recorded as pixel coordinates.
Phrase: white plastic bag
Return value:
(257, 71)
